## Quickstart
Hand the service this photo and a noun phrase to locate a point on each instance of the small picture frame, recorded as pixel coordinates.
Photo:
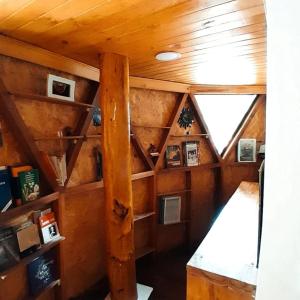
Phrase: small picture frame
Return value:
(173, 156)
(191, 153)
(247, 150)
(60, 88)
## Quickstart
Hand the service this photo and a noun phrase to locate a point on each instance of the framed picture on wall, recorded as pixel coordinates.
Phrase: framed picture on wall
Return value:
(191, 153)
(173, 156)
(61, 88)
(247, 150)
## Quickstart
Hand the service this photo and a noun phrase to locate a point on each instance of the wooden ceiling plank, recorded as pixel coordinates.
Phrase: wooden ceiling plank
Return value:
(8, 7)
(247, 57)
(111, 41)
(25, 14)
(228, 89)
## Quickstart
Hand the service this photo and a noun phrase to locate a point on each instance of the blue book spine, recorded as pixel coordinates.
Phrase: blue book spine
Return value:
(5, 191)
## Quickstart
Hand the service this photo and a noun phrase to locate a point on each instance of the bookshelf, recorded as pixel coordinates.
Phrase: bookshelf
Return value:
(28, 259)
(27, 208)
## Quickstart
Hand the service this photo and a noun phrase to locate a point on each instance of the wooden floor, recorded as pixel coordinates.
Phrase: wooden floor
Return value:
(166, 274)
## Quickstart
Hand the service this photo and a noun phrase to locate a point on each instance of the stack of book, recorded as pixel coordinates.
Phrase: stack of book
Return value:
(18, 185)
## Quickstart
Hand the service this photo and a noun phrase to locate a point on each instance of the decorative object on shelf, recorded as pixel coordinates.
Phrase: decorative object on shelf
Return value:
(173, 156)
(247, 150)
(152, 150)
(186, 118)
(170, 208)
(97, 116)
(61, 88)
(191, 153)
(48, 227)
(41, 273)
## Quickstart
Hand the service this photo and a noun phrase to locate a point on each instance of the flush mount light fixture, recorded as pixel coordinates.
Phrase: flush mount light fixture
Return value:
(167, 56)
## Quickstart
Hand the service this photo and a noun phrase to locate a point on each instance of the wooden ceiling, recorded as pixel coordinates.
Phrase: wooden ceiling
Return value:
(221, 41)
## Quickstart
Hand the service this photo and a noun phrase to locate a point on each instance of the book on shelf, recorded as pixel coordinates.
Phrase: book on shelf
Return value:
(6, 200)
(28, 238)
(29, 185)
(49, 228)
(191, 153)
(41, 273)
(9, 251)
(15, 182)
(173, 156)
(170, 209)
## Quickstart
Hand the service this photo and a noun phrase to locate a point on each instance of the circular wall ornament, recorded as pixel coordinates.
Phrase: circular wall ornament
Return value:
(186, 117)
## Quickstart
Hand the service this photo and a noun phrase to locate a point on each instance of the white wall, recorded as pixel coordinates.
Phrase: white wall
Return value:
(279, 274)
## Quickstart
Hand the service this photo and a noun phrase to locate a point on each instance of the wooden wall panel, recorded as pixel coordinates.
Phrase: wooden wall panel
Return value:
(142, 201)
(233, 173)
(84, 244)
(202, 204)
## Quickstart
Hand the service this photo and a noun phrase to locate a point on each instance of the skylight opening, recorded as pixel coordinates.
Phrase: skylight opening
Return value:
(223, 115)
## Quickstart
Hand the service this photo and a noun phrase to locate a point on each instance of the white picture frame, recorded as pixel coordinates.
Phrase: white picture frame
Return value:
(247, 150)
(170, 210)
(68, 94)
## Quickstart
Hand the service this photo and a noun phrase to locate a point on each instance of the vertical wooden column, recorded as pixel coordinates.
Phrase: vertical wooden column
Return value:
(114, 102)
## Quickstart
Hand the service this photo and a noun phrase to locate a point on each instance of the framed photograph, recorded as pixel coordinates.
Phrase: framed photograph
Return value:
(191, 153)
(170, 209)
(61, 88)
(173, 156)
(247, 150)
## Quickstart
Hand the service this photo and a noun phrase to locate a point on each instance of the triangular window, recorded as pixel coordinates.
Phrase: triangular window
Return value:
(223, 115)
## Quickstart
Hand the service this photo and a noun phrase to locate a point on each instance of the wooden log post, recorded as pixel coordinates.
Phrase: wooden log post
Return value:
(114, 103)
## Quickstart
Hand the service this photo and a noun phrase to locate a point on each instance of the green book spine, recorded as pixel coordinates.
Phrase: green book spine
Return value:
(29, 185)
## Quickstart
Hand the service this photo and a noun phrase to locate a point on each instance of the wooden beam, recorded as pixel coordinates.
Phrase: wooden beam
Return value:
(162, 85)
(36, 55)
(175, 115)
(140, 150)
(114, 98)
(23, 136)
(227, 89)
(81, 130)
(249, 116)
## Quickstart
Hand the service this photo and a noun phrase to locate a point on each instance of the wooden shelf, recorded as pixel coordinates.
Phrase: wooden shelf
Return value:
(191, 135)
(174, 192)
(71, 137)
(41, 98)
(47, 288)
(85, 187)
(139, 217)
(178, 223)
(99, 184)
(200, 167)
(151, 126)
(242, 164)
(28, 259)
(143, 252)
(26, 208)
(142, 175)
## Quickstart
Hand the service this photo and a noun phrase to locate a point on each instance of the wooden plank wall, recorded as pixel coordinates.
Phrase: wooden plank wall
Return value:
(84, 247)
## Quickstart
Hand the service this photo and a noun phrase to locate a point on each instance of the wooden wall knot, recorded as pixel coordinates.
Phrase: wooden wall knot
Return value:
(120, 210)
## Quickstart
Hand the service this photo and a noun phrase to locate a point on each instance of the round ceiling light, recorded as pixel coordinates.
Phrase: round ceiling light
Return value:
(167, 56)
